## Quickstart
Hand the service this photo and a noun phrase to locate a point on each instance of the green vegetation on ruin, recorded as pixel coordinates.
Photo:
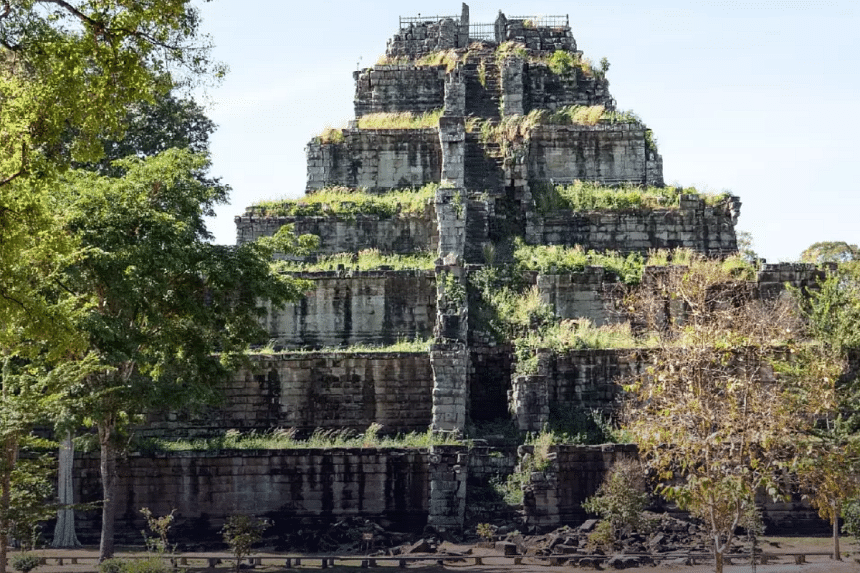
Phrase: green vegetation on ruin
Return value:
(385, 120)
(510, 309)
(566, 335)
(402, 345)
(288, 439)
(345, 201)
(400, 120)
(519, 127)
(555, 259)
(591, 196)
(365, 260)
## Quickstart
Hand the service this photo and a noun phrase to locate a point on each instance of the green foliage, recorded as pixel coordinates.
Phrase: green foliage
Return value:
(604, 65)
(590, 196)
(156, 539)
(485, 531)
(364, 260)
(241, 532)
(25, 562)
(150, 564)
(112, 566)
(830, 252)
(400, 120)
(510, 50)
(602, 537)
(286, 439)
(402, 345)
(851, 517)
(346, 202)
(833, 309)
(331, 135)
(482, 73)
(562, 63)
(566, 335)
(621, 498)
(447, 58)
(556, 259)
(452, 288)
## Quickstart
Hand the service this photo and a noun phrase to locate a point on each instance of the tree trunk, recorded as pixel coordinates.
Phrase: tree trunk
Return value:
(718, 562)
(64, 531)
(10, 456)
(837, 555)
(108, 475)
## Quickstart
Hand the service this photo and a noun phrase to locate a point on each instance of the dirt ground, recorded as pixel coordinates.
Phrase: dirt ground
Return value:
(492, 562)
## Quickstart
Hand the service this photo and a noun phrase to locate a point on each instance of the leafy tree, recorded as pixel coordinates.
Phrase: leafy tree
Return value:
(167, 299)
(70, 71)
(718, 410)
(828, 467)
(830, 252)
(241, 532)
(621, 498)
(27, 394)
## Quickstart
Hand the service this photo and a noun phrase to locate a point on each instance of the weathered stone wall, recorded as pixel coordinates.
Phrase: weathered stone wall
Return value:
(404, 233)
(310, 390)
(449, 470)
(695, 225)
(610, 153)
(554, 497)
(399, 88)
(545, 89)
(586, 294)
(772, 278)
(346, 308)
(422, 37)
(290, 487)
(573, 381)
(536, 37)
(376, 159)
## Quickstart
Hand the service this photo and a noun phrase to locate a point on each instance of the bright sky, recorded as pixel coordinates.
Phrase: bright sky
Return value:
(759, 98)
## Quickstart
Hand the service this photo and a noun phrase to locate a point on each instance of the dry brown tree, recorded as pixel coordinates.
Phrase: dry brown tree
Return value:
(715, 418)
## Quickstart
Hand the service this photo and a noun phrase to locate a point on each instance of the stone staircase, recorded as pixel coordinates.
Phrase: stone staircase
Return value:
(483, 90)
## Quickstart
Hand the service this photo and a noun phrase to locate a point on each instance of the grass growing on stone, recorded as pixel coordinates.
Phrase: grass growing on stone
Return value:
(402, 345)
(513, 127)
(591, 196)
(555, 259)
(401, 120)
(345, 201)
(566, 335)
(286, 439)
(368, 259)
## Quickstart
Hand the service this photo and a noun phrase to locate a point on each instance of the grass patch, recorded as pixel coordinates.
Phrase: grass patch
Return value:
(440, 58)
(286, 439)
(402, 345)
(591, 196)
(344, 201)
(734, 267)
(402, 120)
(566, 335)
(331, 135)
(511, 50)
(368, 259)
(555, 259)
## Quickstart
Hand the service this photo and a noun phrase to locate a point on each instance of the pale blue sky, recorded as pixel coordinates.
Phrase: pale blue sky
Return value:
(759, 98)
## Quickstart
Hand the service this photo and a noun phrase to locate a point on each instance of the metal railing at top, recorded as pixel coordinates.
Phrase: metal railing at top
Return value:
(419, 19)
(482, 32)
(544, 21)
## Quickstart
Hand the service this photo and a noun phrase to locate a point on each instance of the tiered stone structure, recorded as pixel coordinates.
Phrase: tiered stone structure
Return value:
(489, 74)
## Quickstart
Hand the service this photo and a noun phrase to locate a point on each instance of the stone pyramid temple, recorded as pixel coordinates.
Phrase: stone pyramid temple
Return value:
(482, 160)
